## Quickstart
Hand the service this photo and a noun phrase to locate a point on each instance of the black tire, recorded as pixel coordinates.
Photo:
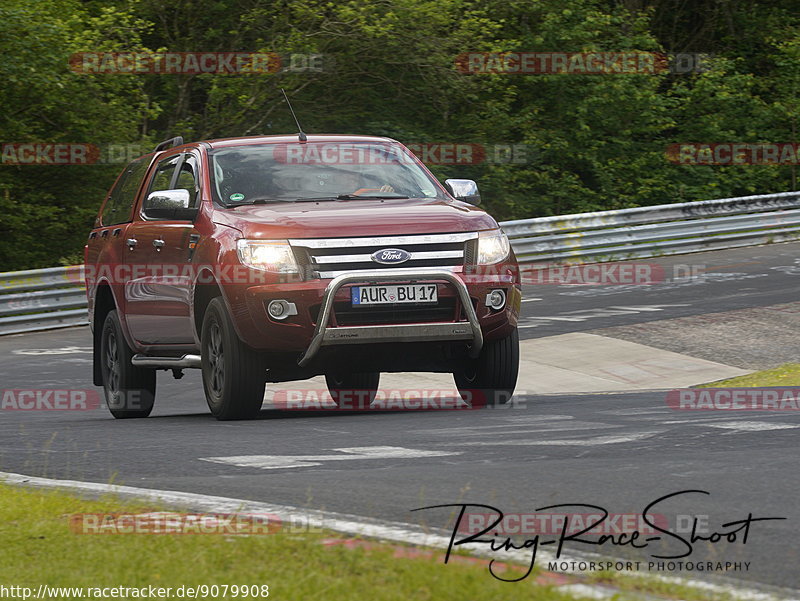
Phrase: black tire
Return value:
(490, 379)
(234, 375)
(129, 391)
(353, 391)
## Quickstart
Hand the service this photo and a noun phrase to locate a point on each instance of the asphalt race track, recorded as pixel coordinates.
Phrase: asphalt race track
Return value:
(616, 450)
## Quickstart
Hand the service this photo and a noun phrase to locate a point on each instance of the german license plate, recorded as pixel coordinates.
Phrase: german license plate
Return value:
(367, 296)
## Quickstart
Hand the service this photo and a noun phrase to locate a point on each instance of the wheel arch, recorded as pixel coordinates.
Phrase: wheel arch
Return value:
(206, 288)
(104, 303)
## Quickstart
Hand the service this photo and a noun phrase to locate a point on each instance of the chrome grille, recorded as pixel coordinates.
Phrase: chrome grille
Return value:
(330, 257)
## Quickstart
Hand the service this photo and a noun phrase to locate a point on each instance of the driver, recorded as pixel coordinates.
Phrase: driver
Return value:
(351, 182)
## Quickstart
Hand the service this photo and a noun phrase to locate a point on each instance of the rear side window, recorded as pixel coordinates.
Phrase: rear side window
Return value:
(119, 207)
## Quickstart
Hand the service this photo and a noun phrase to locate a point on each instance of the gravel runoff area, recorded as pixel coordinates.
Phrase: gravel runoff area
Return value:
(753, 338)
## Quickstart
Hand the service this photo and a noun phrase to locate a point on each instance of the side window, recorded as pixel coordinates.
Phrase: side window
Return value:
(187, 179)
(120, 202)
(162, 177)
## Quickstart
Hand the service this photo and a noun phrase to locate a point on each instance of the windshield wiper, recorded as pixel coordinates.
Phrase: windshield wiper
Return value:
(255, 201)
(261, 201)
(354, 197)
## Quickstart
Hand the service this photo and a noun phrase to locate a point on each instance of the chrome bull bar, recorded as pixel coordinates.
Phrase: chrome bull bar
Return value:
(414, 332)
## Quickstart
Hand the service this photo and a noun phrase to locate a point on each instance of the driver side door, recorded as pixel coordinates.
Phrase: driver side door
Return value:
(158, 292)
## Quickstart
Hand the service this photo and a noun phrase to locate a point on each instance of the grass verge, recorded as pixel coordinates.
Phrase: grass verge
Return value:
(39, 548)
(784, 375)
(656, 586)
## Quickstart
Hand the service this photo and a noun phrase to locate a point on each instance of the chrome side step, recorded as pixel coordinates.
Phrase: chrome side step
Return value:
(183, 362)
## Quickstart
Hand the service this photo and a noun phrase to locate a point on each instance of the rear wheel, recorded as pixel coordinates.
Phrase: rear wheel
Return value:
(353, 391)
(130, 391)
(491, 378)
(234, 375)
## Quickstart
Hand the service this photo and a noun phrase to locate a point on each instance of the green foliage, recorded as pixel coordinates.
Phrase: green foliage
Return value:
(45, 210)
(592, 142)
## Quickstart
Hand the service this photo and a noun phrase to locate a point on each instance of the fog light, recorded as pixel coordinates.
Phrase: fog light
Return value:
(496, 299)
(281, 309)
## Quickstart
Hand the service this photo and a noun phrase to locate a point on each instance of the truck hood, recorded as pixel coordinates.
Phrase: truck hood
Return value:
(346, 218)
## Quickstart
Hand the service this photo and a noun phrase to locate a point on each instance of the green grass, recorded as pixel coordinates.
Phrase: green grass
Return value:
(38, 547)
(655, 586)
(785, 375)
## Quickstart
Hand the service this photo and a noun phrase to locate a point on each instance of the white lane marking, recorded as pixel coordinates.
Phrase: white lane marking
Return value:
(588, 591)
(352, 525)
(565, 428)
(642, 411)
(577, 442)
(788, 269)
(66, 350)
(278, 462)
(584, 314)
(690, 421)
(752, 426)
(539, 420)
(647, 308)
(693, 419)
(678, 282)
(530, 300)
(541, 429)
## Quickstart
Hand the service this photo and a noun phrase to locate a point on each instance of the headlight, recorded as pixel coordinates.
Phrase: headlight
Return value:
(267, 255)
(493, 247)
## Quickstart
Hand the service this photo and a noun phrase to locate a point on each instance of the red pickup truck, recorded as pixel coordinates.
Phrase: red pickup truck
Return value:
(278, 258)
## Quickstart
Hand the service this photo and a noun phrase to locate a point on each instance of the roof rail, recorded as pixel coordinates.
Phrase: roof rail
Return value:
(171, 143)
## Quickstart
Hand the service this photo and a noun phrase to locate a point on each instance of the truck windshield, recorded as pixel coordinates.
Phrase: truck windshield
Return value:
(317, 170)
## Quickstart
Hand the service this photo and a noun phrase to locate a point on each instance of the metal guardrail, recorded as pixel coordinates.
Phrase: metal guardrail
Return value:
(41, 299)
(657, 230)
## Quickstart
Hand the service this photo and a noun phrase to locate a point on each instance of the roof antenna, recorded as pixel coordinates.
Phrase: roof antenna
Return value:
(300, 133)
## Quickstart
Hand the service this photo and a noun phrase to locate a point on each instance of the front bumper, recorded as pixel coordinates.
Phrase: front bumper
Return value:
(291, 338)
(325, 334)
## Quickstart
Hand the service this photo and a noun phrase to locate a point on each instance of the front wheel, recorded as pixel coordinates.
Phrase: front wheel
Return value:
(234, 375)
(130, 391)
(355, 390)
(491, 378)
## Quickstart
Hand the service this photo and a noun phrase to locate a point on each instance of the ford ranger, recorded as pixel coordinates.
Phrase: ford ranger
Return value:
(278, 258)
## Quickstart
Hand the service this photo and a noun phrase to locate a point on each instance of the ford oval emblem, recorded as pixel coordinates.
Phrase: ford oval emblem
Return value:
(391, 256)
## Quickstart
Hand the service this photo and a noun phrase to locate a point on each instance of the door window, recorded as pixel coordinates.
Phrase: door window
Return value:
(187, 179)
(162, 177)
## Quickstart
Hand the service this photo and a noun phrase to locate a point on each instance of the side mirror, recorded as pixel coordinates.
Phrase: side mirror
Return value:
(464, 189)
(169, 204)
